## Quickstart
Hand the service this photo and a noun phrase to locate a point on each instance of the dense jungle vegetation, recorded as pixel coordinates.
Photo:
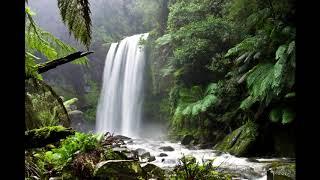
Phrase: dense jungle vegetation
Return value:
(222, 64)
(220, 71)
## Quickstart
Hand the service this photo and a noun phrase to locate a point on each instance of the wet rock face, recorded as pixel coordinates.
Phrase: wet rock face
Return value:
(167, 148)
(240, 141)
(187, 139)
(123, 169)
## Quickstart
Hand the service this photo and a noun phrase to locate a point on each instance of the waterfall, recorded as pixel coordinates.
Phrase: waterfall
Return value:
(121, 98)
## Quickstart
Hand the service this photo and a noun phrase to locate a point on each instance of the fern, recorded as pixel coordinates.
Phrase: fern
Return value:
(247, 103)
(76, 15)
(284, 115)
(288, 116)
(42, 42)
(194, 101)
(165, 39)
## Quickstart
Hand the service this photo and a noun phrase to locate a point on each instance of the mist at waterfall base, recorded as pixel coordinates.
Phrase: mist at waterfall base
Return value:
(120, 105)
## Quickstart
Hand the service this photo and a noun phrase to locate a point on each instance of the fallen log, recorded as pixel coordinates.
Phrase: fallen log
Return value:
(37, 138)
(44, 67)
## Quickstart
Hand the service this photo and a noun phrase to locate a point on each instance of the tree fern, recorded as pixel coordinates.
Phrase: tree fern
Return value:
(284, 115)
(76, 15)
(267, 81)
(42, 42)
(194, 101)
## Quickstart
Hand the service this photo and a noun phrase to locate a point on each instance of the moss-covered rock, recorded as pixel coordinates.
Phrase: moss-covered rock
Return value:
(109, 154)
(153, 171)
(46, 135)
(282, 171)
(126, 169)
(240, 140)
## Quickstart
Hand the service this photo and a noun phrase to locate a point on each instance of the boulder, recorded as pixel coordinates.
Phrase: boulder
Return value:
(187, 139)
(282, 171)
(140, 151)
(121, 149)
(163, 155)
(151, 158)
(77, 120)
(152, 171)
(120, 137)
(120, 169)
(167, 148)
(145, 155)
(240, 141)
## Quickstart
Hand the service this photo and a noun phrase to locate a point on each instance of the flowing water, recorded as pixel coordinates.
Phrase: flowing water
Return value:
(119, 112)
(247, 168)
(119, 108)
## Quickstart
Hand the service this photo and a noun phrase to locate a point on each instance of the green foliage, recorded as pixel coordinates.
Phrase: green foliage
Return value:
(189, 168)
(237, 41)
(267, 81)
(76, 15)
(192, 102)
(43, 108)
(70, 102)
(59, 158)
(39, 41)
(165, 39)
(284, 115)
(92, 99)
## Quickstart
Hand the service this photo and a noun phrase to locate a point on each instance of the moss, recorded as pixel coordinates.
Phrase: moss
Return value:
(283, 170)
(127, 169)
(113, 155)
(240, 140)
(46, 135)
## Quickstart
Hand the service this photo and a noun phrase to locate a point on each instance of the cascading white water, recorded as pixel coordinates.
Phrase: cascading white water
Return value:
(120, 103)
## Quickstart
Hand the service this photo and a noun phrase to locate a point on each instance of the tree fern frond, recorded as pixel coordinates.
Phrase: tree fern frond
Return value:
(76, 15)
(247, 103)
(38, 40)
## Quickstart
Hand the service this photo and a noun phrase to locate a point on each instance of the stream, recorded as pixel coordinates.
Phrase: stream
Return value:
(247, 168)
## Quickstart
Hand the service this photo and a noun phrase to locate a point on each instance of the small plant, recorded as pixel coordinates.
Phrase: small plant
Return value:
(189, 169)
(58, 158)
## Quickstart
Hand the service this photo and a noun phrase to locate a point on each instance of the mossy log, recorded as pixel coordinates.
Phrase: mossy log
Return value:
(41, 137)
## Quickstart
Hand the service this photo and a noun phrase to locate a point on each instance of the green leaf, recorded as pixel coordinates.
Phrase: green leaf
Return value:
(281, 52)
(275, 115)
(163, 40)
(290, 95)
(247, 103)
(288, 116)
(76, 15)
(291, 47)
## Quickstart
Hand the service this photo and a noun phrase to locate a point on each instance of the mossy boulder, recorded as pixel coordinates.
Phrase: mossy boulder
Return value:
(187, 139)
(240, 141)
(109, 154)
(123, 169)
(282, 171)
(153, 171)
